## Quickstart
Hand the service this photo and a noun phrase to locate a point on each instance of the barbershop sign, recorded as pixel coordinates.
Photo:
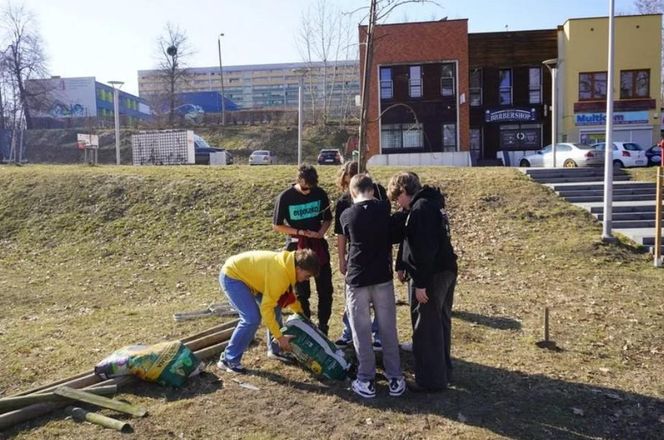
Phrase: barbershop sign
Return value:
(622, 118)
(510, 115)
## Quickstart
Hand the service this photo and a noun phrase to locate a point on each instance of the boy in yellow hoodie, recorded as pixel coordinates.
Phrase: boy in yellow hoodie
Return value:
(258, 284)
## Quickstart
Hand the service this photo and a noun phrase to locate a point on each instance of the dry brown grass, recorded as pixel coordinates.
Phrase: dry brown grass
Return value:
(95, 258)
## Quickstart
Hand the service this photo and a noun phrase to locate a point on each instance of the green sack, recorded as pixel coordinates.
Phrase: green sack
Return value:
(167, 363)
(314, 351)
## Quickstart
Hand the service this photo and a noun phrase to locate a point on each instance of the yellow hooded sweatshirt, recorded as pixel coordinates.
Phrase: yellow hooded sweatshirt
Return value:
(268, 273)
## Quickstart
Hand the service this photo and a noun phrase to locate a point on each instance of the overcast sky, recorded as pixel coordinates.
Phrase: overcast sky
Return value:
(111, 40)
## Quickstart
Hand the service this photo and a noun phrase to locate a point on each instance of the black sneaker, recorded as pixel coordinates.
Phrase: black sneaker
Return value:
(364, 388)
(343, 343)
(286, 358)
(231, 367)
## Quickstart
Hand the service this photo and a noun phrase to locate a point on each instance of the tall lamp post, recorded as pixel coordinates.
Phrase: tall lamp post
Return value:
(221, 79)
(300, 88)
(552, 65)
(116, 113)
(608, 150)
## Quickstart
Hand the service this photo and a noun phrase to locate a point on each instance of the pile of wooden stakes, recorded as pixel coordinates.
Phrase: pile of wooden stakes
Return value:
(89, 388)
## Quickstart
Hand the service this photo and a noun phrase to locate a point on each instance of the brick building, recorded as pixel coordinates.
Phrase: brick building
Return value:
(418, 111)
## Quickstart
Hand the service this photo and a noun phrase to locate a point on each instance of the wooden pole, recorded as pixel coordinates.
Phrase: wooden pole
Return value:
(546, 324)
(207, 341)
(102, 402)
(12, 403)
(658, 215)
(81, 415)
(211, 351)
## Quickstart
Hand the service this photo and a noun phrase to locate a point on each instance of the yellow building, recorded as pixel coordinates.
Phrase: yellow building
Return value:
(582, 79)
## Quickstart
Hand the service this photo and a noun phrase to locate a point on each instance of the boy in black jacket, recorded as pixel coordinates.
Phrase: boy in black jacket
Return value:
(427, 256)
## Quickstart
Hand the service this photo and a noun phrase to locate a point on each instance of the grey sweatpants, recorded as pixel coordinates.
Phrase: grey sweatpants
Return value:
(358, 303)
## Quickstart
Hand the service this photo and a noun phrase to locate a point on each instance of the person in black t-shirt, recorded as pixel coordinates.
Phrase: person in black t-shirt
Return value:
(367, 227)
(302, 212)
(347, 171)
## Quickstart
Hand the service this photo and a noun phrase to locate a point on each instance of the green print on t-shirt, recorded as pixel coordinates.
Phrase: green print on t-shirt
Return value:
(304, 211)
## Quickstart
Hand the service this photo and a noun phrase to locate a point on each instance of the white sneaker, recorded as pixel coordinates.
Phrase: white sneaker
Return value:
(397, 386)
(406, 346)
(364, 388)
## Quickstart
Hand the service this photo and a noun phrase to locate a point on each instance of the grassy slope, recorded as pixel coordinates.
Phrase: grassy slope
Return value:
(95, 258)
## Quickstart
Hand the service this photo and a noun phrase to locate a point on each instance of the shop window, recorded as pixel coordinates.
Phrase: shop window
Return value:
(475, 142)
(535, 85)
(476, 87)
(447, 80)
(415, 81)
(505, 86)
(449, 137)
(592, 86)
(395, 136)
(386, 89)
(634, 84)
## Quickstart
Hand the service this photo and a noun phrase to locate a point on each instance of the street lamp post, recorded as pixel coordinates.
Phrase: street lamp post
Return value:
(221, 79)
(300, 88)
(608, 144)
(116, 113)
(552, 65)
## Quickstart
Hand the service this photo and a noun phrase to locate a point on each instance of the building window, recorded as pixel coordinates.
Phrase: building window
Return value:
(592, 86)
(634, 84)
(415, 81)
(505, 86)
(386, 90)
(394, 136)
(449, 137)
(447, 77)
(535, 85)
(476, 87)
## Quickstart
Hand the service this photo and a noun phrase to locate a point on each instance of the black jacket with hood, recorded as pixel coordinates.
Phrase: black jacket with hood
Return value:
(427, 248)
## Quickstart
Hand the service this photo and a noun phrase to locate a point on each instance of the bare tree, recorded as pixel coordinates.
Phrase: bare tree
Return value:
(324, 35)
(653, 7)
(173, 52)
(22, 60)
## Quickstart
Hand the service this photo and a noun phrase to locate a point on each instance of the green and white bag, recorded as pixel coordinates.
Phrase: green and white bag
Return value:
(314, 351)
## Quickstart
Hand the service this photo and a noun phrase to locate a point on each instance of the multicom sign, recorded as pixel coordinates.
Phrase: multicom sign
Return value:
(618, 118)
(510, 115)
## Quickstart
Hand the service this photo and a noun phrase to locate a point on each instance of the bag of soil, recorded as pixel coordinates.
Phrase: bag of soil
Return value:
(166, 363)
(314, 351)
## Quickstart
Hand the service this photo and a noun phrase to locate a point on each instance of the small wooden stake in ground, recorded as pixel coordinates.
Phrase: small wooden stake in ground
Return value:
(547, 343)
(81, 415)
(102, 402)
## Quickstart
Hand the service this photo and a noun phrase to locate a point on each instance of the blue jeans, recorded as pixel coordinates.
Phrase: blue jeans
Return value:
(347, 333)
(247, 305)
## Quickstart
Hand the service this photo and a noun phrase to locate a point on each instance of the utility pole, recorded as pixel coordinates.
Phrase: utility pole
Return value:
(364, 94)
(608, 150)
(221, 76)
(116, 113)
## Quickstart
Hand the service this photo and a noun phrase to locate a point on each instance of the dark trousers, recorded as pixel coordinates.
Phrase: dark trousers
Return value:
(324, 289)
(432, 332)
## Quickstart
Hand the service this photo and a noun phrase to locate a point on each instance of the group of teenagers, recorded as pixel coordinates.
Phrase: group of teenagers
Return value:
(259, 284)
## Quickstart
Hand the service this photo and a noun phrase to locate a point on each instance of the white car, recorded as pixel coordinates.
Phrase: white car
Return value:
(625, 154)
(568, 155)
(262, 157)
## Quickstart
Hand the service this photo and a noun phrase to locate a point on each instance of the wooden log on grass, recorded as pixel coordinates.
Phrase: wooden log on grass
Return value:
(208, 352)
(102, 402)
(12, 403)
(210, 340)
(81, 415)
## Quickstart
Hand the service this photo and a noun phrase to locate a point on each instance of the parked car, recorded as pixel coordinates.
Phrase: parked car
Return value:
(654, 155)
(568, 155)
(330, 156)
(262, 157)
(625, 154)
(202, 151)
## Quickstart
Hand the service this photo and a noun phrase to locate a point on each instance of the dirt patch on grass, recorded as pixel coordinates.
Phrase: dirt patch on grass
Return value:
(96, 258)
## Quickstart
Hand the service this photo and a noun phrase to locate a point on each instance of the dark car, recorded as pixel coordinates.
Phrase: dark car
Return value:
(654, 155)
(202, 152)
(330, 156)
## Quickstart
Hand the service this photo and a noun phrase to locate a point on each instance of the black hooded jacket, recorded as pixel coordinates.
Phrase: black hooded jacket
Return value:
(426, 248)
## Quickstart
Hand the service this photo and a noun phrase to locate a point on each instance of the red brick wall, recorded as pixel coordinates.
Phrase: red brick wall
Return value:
(414, 43)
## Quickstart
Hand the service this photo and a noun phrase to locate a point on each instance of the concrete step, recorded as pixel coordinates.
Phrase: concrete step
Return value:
(573, 179)
(616, 191)
(616, 209)
(632, 224)
(629, 216)
(594, 171)
(600, 186)
(616, 198)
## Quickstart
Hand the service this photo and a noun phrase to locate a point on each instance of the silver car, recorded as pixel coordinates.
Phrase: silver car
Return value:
(262, 157)
(568, 155)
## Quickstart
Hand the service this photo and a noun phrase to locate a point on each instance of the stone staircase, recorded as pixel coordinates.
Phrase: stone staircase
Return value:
(633, 213)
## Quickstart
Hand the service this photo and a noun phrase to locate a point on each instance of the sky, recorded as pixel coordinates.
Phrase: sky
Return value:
(112, 40)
